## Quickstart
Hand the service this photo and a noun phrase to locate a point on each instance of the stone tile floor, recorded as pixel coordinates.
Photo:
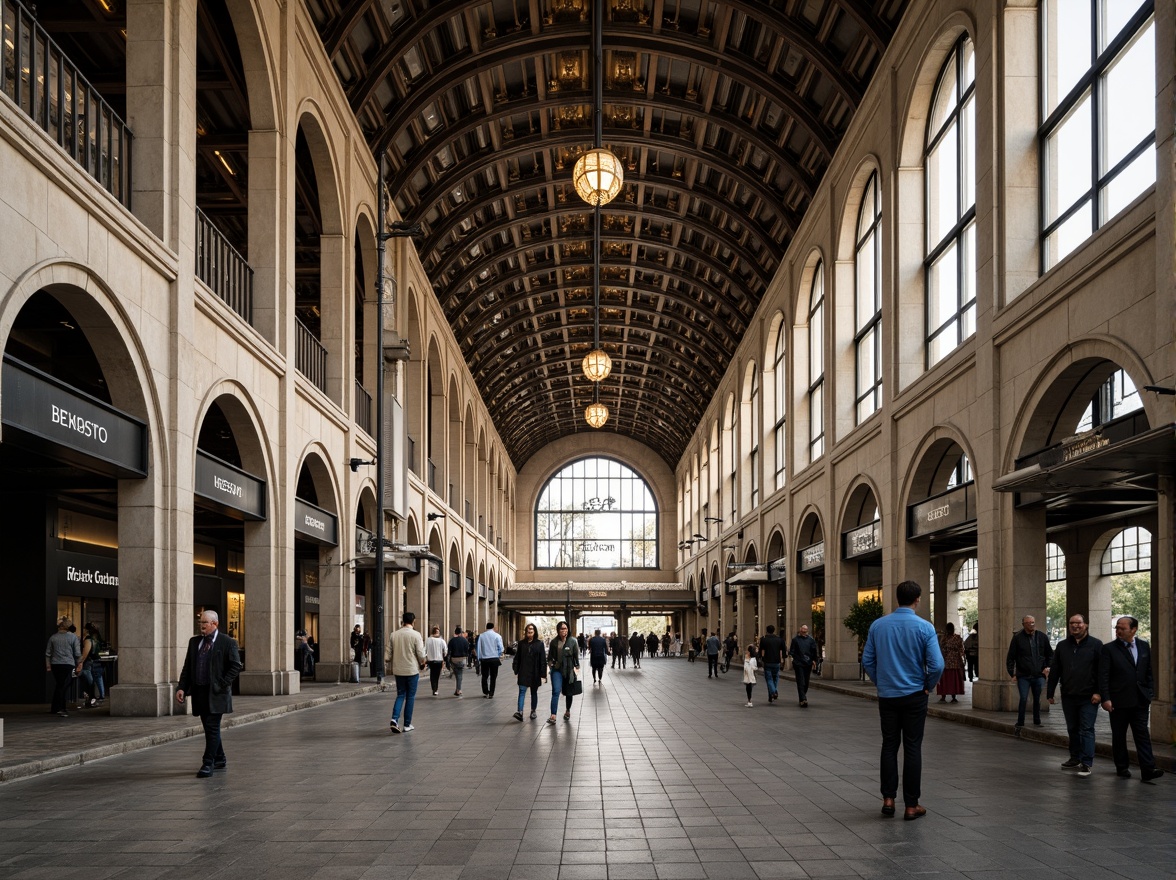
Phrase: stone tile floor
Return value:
(659, 774)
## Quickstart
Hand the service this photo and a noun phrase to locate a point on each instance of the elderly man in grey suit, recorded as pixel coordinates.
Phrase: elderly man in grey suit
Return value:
(210, 668)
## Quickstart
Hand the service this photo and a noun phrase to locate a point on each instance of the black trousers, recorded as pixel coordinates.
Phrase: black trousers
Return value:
(802, 673)
(490, 675)
(903, 719)
(435, 673)
(597, 668)
(973, 665)
(712, 665)
(211, 721)
(61, 673)
(1133, 718)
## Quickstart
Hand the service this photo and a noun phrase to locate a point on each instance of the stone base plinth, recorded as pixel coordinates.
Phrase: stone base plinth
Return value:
(144, 700)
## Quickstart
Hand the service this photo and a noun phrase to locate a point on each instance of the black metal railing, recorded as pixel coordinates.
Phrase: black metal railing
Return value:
(363, 408)
(48, 88)
(310, 356)
(222, 268)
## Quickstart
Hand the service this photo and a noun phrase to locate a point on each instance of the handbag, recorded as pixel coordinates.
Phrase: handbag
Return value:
(575, 688)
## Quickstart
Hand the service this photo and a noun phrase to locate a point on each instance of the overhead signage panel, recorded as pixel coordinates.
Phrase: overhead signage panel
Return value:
(315, 523)
(863, 541)
(941, 513)
(229, 489)
(812, 557)
(49, 417)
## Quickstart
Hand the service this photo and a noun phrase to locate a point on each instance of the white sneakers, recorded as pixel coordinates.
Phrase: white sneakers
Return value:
(410, 727)
(748, 704)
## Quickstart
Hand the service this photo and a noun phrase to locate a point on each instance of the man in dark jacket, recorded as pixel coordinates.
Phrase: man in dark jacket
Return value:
(210, 668)
(1076, 665)
(459, 655)
(772, 656)
(804, 652)
(1125, 682)
(598, 656)
(1028, 664)
(713, 646)
(636, 646)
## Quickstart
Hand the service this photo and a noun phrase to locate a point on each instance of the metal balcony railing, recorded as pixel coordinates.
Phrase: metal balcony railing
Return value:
(222, 268)
(310, 356)
(363, 408)
(48, 88)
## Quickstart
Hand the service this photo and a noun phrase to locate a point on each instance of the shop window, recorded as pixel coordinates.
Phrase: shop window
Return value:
(1098, 140)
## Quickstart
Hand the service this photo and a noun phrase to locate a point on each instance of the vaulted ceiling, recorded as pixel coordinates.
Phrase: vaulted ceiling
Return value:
(725, 115)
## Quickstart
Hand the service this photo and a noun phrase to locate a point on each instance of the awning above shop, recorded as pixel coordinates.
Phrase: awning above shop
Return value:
(1092, 461)
(757, 573)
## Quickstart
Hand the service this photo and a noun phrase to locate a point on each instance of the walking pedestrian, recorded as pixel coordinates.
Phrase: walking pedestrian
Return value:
(435, 653)
(597, 656)
(772, 656)
(530, 668)
(1076, 666)
(749, 667)
(97, 668)
(805, 653)
(636, 647)
(902, 658)
(89, 662)
(564, 660)
(490, 657)
(211, 665)
(651, 644)
(1127, 689)
(458, 650)
(408, 659)
(713, 646)
(1028, 662)
(63, 657)
(952, 681)
(972, 652)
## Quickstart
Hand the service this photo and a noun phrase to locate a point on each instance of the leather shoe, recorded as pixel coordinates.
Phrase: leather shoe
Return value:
(912, 813)
(1149, 775)
(204, 772)
(887, 806)
(221, 764)
(1123, 774)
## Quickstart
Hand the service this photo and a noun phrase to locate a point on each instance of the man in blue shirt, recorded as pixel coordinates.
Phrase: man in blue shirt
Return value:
(903, 659)
(490, 658)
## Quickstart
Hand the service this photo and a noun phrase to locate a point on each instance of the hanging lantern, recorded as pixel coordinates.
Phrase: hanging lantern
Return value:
(598, 176)
(596, 414)
(597, 365)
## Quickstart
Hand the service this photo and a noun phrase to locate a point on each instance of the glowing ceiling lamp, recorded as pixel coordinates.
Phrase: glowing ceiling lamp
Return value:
(596, 414)
(598, 174)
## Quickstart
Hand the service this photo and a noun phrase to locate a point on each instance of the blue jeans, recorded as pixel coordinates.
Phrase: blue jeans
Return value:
(534, 689)
(1080, 717)
(406, 686)
(772, 677)
(1024, 684)
(556, 690)
(903, 719)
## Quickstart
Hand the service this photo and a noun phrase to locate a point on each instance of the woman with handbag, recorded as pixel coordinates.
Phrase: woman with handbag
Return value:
(563, 656)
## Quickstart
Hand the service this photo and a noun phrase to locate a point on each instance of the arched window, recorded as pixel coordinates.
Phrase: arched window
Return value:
(962, 473)
(596, 513)
(867, 338)
(816, 370)
(1116, 397)
(1127, 561)
(754, 432)
(949, 169)
(1128, 552)
(780, 409)
(1098, 141)
(732, 483)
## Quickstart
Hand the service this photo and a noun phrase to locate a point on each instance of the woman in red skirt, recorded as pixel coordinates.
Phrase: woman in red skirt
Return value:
(952, 682)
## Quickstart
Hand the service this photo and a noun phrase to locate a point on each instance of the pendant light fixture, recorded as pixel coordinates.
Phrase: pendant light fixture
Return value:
(598, 174)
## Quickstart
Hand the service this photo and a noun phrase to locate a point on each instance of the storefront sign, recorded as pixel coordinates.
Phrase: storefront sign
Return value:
(777, 570)
(310, 599)
(434, 571)
(80, 574)
(812, 558)
(229, 489)
(49, 416)
(598, 594)
(315, 523)
(862, 541)
(940, 513)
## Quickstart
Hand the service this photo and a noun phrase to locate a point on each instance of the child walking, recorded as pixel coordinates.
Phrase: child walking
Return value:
(749, 667)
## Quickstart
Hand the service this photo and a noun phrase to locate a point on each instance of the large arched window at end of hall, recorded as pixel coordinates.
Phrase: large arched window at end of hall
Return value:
(1098, 141)
(949, 168)
(1127, 561)
(867, 337)
(596, 513)
(816, 364)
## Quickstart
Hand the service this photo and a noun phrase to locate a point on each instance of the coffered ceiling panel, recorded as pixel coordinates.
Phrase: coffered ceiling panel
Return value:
(725, 115)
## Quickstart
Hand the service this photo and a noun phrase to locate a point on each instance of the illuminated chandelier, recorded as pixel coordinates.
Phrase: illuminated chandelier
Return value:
(596, 413)
(598, 174)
